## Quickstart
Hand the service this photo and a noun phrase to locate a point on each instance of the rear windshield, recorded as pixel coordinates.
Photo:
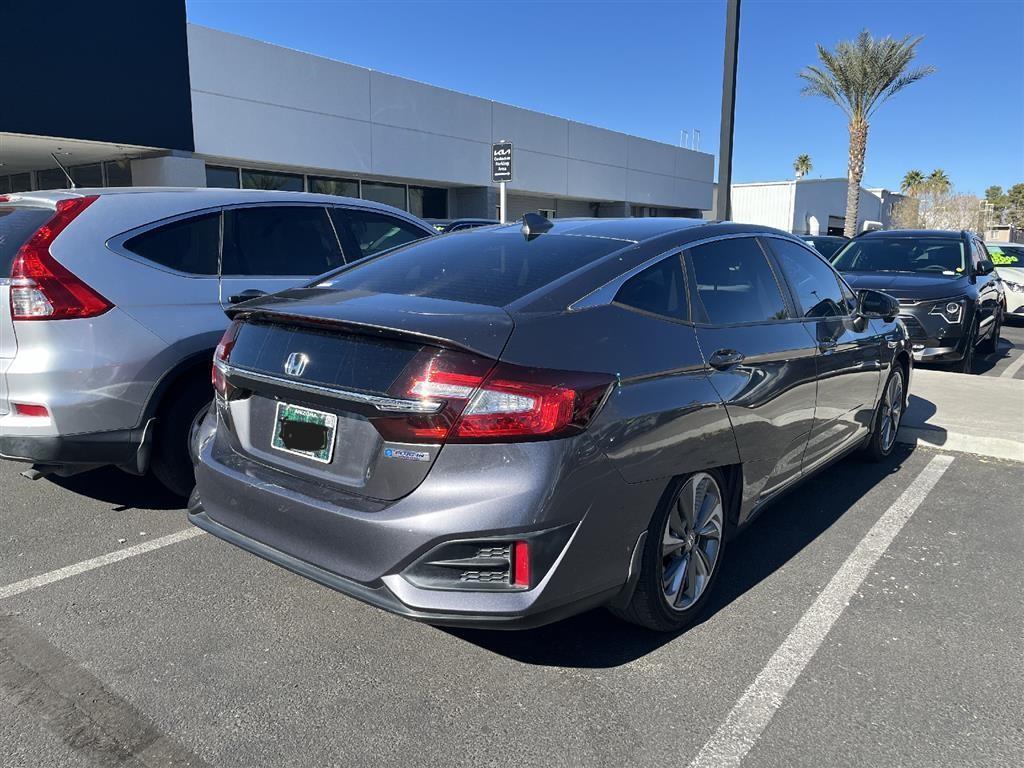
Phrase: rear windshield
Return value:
(491, 268)
(18, 224)
(927, 255)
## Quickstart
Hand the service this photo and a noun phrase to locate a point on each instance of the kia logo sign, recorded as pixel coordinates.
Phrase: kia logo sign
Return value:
(296, 364)
(501, 161)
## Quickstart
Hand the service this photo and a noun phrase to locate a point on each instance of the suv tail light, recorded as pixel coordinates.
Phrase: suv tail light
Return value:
(41, 287)
(221, 355)
(484, 402)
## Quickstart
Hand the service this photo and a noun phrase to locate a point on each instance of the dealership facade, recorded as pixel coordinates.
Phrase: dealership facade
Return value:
(233, 111)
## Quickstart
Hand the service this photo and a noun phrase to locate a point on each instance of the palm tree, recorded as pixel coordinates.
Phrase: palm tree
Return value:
(858, 77)
(912, 182)
(802, 165)
(939, 182)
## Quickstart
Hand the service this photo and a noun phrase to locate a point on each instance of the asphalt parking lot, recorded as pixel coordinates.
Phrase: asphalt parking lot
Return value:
(1008, 360)
(195, 653)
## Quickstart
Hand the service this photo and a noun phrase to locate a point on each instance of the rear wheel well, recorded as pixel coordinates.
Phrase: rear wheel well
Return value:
(193, 367)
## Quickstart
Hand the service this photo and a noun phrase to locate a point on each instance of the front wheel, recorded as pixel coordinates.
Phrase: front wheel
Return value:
(682, 555)
(888, 416)
(991, 344)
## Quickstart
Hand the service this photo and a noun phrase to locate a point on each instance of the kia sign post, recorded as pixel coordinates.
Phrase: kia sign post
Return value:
(501, 169)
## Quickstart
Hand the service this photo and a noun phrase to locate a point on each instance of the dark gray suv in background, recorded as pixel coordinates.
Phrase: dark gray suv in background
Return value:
(504, 427)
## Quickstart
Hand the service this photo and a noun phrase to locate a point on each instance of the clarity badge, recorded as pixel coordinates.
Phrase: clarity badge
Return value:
(403, 453)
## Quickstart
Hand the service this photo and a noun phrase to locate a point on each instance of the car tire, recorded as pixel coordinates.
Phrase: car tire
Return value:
(991, 344)
(966, 363)
(682, 554)
(887, 416)
(172, 455)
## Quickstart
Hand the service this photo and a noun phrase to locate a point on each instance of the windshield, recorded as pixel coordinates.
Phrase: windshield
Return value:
(930, 255)
(1006, 255)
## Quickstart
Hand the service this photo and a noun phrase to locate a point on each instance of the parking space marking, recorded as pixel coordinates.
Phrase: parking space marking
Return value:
(751, 714)
(87, 565)
(1010, 370)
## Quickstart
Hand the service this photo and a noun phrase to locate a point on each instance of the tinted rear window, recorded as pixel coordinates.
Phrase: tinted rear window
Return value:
(189, 245)
(18, 224)
(491, 268)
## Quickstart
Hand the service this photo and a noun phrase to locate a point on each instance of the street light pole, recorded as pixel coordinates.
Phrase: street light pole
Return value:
(723, 196)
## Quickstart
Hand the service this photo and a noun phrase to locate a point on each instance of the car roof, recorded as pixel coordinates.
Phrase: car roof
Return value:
(910, 233)
(823, 237)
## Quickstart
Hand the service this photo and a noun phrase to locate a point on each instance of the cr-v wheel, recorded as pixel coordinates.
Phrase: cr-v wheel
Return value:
(682, 555)
(887, 419)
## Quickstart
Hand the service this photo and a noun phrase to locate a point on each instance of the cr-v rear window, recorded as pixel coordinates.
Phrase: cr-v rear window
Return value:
(492, 268)
(18, 224)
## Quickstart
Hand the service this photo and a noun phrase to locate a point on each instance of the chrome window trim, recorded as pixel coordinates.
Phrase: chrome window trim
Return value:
(385, 404)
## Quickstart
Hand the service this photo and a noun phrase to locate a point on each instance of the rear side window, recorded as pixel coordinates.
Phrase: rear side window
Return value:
(366, 233)
(17, 225)
(735, 283)
(189, 245)
(483, 267)
(279, 240)
(814, 284)
(658, 289)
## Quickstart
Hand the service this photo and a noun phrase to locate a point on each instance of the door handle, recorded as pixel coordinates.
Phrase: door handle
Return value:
(251, 293)
(725, 358)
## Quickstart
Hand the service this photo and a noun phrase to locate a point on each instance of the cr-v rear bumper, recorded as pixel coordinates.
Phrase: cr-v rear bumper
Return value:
(125, 448)
(363, 548)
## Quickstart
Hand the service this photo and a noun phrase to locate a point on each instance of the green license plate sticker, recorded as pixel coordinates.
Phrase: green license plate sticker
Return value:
(304, 432)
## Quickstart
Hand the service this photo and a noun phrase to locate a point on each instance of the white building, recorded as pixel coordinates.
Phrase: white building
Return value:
(209, 108)
(809, 206)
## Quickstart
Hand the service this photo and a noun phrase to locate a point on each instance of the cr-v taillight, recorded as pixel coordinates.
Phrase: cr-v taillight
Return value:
(484, 402)
(222, 355)
(44, 289)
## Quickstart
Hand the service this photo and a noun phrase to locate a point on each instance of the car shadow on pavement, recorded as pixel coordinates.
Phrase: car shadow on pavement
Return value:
(597, 639)
(124, 491)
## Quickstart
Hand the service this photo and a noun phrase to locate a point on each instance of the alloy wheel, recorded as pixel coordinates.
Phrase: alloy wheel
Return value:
(691, 541)
(892, 410)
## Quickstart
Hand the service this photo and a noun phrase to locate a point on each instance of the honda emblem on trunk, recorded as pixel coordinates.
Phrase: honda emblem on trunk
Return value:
(296, 364)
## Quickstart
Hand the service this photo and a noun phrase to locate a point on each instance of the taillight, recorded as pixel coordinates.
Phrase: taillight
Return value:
(222, 354)
(41, 287)
(479, 401)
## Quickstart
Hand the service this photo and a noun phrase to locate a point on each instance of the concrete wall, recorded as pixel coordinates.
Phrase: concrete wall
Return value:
(257, 103)
(770, 204)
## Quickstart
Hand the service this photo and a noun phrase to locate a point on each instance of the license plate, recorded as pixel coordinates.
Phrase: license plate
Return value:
(304, 432)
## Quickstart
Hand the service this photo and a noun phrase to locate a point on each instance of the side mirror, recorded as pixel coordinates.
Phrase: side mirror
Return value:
(985, 267)
(877, 305)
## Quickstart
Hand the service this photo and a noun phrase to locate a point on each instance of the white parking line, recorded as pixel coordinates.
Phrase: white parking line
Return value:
(751, 714)
(1013, 367)
(87, 565)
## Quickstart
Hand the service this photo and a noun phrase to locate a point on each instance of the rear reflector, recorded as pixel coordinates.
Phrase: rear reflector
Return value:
(486, 402)
(521, 563)
(31, 409)
(44, 289)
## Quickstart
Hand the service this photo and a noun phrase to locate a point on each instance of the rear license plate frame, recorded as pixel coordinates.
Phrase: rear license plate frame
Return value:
(287, 412)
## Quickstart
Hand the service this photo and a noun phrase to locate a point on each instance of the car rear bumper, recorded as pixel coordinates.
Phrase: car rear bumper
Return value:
(363, 548)
(122, 447)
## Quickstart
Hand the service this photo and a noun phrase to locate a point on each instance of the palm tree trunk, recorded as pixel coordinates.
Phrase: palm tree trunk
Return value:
(858, 148)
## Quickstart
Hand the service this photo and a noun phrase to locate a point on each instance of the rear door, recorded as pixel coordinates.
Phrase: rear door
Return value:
(760, 358)
(17, 224)
(849, 350)
(269, 248)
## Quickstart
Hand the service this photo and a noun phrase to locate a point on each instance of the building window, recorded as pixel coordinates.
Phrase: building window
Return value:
(87, 175)
(219, 176)
(325, 185)
(21, 182)
(51, 178)
(281, 182)
(118, 172)
(547, 213)
(389, 194)
(428, 202)
(5, 185)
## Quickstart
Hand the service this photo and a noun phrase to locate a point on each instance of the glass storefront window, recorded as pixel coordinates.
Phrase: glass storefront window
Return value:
(51, 178)
(21, 182)
(119, 173)
(5, 185)
(428, 202)
(389, 194)
(281, 182)
(87, 175)
(327, 186)
(219, 176)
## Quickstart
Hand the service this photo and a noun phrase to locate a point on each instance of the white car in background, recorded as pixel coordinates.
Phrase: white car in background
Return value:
(1008, 259)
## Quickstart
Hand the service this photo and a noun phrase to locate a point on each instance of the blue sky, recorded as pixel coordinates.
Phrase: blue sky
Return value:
(654, 68)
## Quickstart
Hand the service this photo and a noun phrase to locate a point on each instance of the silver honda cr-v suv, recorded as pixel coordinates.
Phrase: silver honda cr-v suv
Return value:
(112, 300)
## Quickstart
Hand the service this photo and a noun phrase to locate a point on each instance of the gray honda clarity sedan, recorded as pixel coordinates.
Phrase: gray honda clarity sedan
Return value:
(504, 427)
